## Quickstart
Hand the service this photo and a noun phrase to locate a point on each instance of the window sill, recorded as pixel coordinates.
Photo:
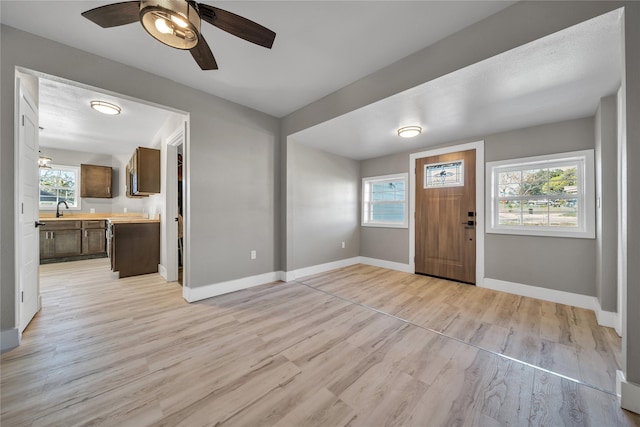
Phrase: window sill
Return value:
(384, 225)
(553, 232)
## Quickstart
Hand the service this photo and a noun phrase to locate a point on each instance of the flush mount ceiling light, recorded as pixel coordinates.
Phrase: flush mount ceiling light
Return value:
(409, 131)
(44, 161)
(106, 107)
(174, 23)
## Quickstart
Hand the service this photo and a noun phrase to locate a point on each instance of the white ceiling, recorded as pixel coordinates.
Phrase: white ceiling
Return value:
(69, 123)
(559, 77)
(321, 47)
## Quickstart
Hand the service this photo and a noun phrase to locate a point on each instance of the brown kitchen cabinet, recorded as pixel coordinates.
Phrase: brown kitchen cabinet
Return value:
(134, 248)
(93, 237)
(60, 239)
(95, 181)
(143, 172)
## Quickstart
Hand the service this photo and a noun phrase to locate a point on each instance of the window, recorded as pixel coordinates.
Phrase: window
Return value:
(543, 196)
(441, 175)
(384, 201)
(59, 183)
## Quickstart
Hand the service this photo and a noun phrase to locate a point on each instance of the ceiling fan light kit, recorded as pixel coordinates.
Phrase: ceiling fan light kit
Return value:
(409, 131)
(174, 23)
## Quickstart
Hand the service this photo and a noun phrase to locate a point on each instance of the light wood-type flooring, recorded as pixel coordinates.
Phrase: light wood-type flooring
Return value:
(132, 352)
(557, 337)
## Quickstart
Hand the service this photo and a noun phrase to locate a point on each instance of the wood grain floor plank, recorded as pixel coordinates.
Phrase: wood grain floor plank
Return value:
(519, 327)
(115, 352)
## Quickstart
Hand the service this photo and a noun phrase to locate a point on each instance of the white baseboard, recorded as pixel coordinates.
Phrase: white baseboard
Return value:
(320, 268)
(9, 339)
(391, 265)
(215, 289)
(628, 393)
(605, 318)
(163, 272)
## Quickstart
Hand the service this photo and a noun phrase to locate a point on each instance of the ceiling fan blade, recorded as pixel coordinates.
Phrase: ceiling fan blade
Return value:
(113, 15)
(237, 25)
(203, 55)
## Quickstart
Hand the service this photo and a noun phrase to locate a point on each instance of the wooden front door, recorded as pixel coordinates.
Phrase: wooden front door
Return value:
(446, 216)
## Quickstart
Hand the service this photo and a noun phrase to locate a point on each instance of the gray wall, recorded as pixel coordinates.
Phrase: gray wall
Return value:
(548, 262)
(326, 206)
(516, 25)
(231, 161)
(630, 236)
(606, 138)
(520, 259)
(390, 244)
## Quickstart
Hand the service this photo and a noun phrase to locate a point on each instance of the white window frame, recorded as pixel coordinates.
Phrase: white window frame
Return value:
(586, 195)
(76, 171)
(367, 203)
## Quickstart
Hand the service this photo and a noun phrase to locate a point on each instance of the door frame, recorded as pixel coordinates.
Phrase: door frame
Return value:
(176, 139)
(479, 147)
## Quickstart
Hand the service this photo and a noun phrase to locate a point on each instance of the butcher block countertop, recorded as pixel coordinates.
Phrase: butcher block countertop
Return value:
(124, 220)
(119, 218)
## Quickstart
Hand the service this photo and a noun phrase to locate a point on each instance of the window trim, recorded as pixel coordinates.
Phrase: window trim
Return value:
(76, 170)
(393, 177)
(586, 175)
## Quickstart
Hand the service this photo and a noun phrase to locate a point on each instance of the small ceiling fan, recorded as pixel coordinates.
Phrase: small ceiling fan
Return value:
(176, 23)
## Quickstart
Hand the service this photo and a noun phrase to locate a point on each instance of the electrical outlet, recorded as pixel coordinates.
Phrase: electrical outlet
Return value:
(92, 210)
(343, 245)
(125, 210)
(253, 255)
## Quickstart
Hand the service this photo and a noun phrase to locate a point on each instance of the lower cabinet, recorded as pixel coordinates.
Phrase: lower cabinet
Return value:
(93, 237)
(60, 239)
(71, 238)
(135, 248)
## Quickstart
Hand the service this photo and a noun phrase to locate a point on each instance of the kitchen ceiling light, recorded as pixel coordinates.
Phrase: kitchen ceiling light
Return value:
(175, 23)
(44, 161)
(409, 131)
(106, 107)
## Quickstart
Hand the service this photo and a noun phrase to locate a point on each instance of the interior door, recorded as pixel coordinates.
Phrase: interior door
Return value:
(28, 208)
(446, 215)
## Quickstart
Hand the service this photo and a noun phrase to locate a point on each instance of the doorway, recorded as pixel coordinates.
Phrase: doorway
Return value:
(438, 254)
(111, 149)
(446, 216)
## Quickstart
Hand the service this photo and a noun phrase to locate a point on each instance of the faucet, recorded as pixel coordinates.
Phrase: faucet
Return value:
(58, 213)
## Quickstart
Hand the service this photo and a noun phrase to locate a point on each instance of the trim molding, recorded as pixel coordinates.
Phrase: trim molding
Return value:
(163, 272)
(605, 318)
(288, 276)
(628, 393)
(391, 265)
(215, 289)
(9, 339)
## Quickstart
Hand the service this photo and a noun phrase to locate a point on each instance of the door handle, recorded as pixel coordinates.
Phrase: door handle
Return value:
(40, 224)
(470, 223)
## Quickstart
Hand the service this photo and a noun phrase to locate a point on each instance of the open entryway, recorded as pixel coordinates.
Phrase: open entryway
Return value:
(446, 215)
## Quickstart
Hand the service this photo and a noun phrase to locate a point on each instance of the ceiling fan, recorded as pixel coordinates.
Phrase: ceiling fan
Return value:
(176, 23)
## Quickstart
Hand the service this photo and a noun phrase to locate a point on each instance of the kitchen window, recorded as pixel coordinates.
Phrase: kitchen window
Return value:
(59, 183)
(552, 195)
(384, 201)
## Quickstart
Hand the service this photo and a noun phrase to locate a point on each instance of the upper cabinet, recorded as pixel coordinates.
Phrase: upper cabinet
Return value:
(143, 172)
(95, 181)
